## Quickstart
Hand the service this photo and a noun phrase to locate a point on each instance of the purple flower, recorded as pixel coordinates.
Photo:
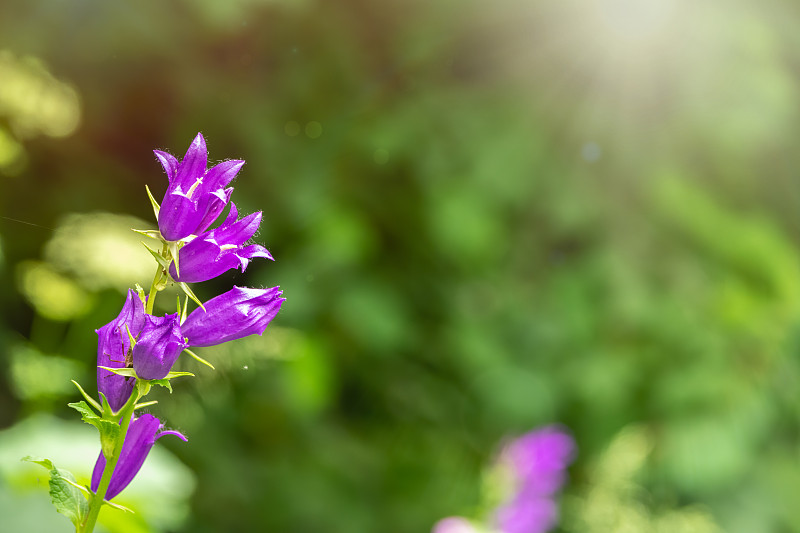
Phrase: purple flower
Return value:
(158, 346)
(219, 250)
(538, 462)
(235, 314)
(539, 459)
(143, 433)
(113, 350)
(195, 196)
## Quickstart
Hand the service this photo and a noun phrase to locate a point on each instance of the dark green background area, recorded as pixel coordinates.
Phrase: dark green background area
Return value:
(486, 217)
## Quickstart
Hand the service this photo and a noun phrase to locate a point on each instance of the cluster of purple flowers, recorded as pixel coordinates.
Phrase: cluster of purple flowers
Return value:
(537, 463)
(149, 344)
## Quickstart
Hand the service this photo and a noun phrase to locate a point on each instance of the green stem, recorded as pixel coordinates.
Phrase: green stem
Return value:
(111, 462)
(151, 299)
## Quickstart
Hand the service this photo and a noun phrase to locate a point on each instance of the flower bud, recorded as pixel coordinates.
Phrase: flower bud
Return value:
(113, 350)
(143, 433)
(158, 346)
(235, 314)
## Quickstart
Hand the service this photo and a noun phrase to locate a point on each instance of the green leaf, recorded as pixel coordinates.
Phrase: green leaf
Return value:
(109, 430)
(47, 463)
(65, 493)
(68, 500)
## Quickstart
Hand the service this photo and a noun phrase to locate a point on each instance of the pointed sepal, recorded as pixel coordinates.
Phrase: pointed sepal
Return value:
(173, 247)
(145, 404)
(188, 290)
(163, 263)
(117, 506)
(198, 358)
(156, 207)
(125, 372)
(152, 233)
(88, 398)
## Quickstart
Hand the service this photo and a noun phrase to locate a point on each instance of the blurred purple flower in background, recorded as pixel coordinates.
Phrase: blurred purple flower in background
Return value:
(143, 433)
(113, 350)
(195, 196)
(536, 465)
(537, 461)
(240, 312)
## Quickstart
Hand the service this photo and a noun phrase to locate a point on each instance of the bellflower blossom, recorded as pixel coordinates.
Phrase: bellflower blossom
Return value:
(219, 250)
(143, 433)
(235, 314)
(158, 346)
(139, 349)
(195, 196)
(113, 350)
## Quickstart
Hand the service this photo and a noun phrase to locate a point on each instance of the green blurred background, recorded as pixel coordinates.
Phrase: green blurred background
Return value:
(486, 216)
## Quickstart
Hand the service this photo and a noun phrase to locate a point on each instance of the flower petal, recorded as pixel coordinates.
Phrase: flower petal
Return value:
(178, 216)
(193, 165)
(169, 162)
(221, 249)
(220, 175)
(219, 199)
(238, 232)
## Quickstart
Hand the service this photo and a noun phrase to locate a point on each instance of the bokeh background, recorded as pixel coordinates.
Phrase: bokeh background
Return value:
(486, 216)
